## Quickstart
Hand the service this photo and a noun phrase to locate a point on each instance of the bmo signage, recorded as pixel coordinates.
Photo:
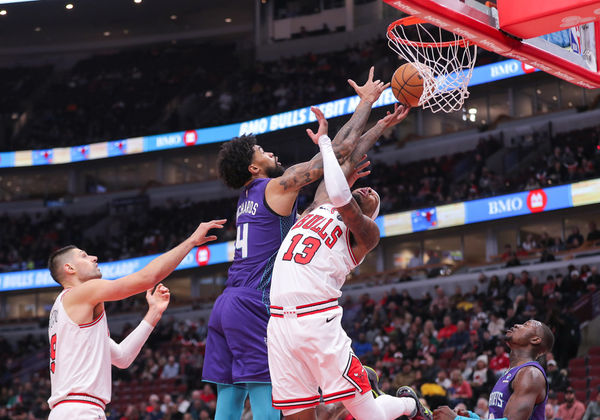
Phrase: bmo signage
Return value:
(527, 202)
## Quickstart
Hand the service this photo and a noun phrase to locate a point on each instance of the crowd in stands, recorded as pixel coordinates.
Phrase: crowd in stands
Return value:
(449, 347)
(165, 88)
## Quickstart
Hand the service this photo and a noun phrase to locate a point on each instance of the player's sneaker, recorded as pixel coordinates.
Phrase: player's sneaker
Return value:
(373, 381)
(421, 412)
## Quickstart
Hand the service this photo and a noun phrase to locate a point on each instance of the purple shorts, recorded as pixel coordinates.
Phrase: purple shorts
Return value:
(236, 345)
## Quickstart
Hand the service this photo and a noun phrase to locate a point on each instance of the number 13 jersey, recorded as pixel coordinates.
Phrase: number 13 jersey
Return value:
(314, 259)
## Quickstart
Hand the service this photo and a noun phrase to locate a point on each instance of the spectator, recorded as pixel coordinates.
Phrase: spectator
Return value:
(171, 369)
(500, 362)
(495, 325)
(575, 239)
(443, 380)
(460, 338)
(460, 390)
(441, 301)
(592, 411)
(362, 347)
(549, 412)
(553, 402)
(153, 409)
(593, 232)
(571, 409)
(406, 376)
(512, 260)
(557, 380)
(482, 379)
(482, 409)
(518, 289)
(529, 244)
(447, 330)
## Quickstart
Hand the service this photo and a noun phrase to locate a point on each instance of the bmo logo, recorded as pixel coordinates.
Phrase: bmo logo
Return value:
(190, 138)
(536, 201)
(527, 68)
(506, 205)
(202, 255)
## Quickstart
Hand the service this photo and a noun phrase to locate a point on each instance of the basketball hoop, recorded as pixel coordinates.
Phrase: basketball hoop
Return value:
(443, 59)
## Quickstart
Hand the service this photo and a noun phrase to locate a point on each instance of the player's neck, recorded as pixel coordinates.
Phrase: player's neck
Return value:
(518, 357)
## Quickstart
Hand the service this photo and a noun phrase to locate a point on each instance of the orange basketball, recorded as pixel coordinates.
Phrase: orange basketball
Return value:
(407, 85)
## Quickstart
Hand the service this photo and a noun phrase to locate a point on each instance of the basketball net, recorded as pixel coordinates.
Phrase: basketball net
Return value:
(443, 59)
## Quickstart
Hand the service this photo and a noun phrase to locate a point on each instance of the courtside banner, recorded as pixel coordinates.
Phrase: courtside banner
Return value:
(340, 107)
(197, 257)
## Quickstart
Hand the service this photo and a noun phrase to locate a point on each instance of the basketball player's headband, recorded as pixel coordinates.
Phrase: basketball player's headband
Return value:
(376, 212)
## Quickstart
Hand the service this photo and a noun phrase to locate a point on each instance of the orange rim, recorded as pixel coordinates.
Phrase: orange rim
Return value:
(413, 20)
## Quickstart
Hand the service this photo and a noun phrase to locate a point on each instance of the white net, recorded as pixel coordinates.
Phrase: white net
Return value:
(443, 59)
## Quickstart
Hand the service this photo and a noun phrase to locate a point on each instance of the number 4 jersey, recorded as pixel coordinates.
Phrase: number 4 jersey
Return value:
(259, 235)
(314, 259)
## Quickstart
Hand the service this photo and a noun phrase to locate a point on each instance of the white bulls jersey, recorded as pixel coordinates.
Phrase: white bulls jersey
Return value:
(79, 358)
(314, 259)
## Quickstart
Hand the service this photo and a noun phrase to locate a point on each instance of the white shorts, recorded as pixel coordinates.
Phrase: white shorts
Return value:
(311, 352)
(77, 411)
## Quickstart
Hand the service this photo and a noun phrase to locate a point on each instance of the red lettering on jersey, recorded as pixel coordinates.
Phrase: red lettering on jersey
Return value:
(301, 221)
(311, 223)
(321, 231)
(334, 236)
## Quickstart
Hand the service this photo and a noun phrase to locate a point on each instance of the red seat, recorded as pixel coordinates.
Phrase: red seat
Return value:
(580, 361)
(593, 393)
(579, 384)
(594, 371)
(581, 395)
(594, 351)
(560, 396)
(594, 382)
(578, 372)
(593, 361)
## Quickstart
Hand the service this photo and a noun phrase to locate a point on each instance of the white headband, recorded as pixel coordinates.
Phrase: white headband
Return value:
(376, 213)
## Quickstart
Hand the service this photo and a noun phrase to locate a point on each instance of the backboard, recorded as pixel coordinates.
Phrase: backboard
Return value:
(489, 27)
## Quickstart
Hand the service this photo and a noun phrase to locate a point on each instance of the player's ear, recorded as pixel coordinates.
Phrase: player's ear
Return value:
(69, 268)
(253, 169)
(536, 340)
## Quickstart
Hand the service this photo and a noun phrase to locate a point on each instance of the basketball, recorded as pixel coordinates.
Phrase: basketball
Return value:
(407, 84)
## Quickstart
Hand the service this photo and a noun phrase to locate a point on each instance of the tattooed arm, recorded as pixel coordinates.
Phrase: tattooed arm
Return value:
(281, 192)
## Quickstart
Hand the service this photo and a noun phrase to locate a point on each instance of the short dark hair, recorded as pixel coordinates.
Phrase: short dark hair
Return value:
(233, 160)
(54, 262)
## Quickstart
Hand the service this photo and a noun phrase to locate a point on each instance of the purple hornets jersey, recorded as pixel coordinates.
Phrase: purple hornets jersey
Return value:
(503, 390)
(259, 235)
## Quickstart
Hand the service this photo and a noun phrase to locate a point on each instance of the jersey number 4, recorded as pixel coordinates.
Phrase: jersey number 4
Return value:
(52, 353)
(311, 245)
(241, 239)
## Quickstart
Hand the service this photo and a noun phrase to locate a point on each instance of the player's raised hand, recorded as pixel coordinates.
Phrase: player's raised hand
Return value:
(199, 236)
(159, 299)
(323, 125)
(359, 171)
(371, 90)
(396, 117)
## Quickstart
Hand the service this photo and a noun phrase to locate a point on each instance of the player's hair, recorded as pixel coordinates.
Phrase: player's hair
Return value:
(547, 338)
(55, 261)
(233, 160)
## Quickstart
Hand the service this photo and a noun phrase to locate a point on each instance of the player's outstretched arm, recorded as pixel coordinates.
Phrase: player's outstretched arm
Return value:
(124, 353)
(362, 227)
(96, 291)
(352, 166)
(281, 192)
